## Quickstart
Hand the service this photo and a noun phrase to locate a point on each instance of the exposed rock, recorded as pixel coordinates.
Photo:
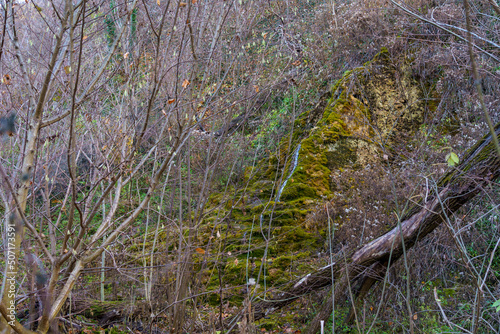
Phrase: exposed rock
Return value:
(370, 108)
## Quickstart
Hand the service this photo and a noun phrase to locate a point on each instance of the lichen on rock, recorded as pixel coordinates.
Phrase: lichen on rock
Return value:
(369, 108)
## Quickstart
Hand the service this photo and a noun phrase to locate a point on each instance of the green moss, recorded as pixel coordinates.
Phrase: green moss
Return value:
(283, 261)
(297, 190)
(292, 239)
(278, 276)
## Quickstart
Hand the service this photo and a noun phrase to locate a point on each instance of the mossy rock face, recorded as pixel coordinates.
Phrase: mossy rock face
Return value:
(371, 107)
(377, 104)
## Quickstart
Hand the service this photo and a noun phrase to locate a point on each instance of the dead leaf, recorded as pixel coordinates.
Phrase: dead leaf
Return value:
(415, 316)
(6, 79)
(125, 56)
(158, 2)
(256, 88)
(194, 2)
(67, 69)
(182, 4)
(235, 262)
(185, 83)
(200, 250)
(84, 38)
(170, 101)
(296, 63)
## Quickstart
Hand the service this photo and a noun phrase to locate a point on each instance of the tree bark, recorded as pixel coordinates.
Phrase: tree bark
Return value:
(480, 166)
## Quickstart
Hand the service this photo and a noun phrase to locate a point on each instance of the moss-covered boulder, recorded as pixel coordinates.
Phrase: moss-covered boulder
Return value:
(368, 110)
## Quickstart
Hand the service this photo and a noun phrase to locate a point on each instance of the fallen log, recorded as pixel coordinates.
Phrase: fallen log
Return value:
(479, 167)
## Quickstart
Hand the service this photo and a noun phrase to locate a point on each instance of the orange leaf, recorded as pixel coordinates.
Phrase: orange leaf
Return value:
(67, 69)
(200, 250)
(256, 88)
(170, 101)
(6, 79)
(415, 316)
(194, 1)
(158, 2)
(185, 83)
(296, 63)
(182, 4)
(84, 37)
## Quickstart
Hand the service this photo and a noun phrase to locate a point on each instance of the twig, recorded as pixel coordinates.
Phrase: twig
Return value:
(445, 318)
(475, 74)
(442, 28)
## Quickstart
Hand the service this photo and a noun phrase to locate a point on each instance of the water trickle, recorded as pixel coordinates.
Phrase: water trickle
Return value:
(294, 165)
